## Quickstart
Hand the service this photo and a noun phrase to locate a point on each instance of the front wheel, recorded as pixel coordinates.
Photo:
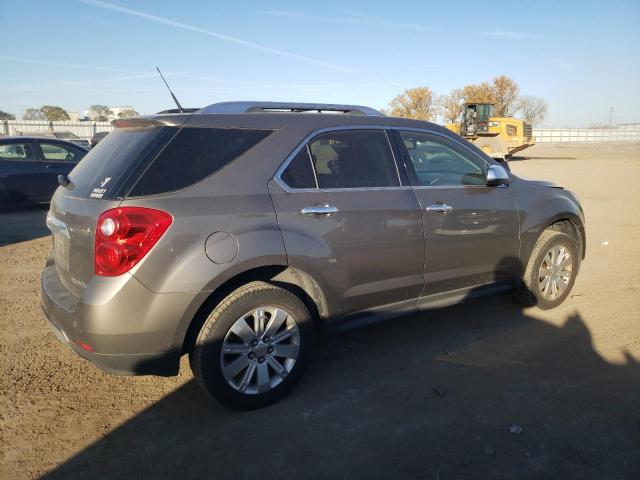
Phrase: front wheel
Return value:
(254, 347)
(551, 271)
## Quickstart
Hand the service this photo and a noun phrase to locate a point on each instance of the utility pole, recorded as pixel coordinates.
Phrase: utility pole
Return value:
(610, 117)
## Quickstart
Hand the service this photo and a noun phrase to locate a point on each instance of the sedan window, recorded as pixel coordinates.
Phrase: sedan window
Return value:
(57, 153)
(436, 163)
(16, 151)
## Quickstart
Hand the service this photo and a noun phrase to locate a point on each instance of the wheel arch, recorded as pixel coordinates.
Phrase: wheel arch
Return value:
(295, 280)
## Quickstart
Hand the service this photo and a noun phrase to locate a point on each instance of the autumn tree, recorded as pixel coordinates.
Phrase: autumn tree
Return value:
(7, 116)
(416, 103)
(54, 113)
(452, 105)
(503, 92)
(506, 92)
(532, 109)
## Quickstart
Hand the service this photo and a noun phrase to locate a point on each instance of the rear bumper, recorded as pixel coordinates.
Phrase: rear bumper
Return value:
(119, 325)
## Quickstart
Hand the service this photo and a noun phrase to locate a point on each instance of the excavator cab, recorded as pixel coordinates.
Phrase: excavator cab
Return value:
(475, 119)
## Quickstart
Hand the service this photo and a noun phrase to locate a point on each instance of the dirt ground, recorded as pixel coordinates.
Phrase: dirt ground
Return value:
(430, 396)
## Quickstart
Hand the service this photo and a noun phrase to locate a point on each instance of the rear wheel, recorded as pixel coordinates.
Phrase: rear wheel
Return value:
(254, 347)
(550, 272)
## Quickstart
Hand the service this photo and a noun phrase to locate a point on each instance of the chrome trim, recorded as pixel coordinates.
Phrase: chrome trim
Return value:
(327, 210)
(305, 141)
(439, 207)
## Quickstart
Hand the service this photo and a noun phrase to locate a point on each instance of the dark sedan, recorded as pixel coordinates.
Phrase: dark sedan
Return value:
(29, 168)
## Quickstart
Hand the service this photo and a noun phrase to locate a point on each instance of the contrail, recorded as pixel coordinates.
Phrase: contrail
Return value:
(221, 36)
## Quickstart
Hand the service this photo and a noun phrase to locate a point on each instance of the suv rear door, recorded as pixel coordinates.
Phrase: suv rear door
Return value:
(349, 221)
(471, 230)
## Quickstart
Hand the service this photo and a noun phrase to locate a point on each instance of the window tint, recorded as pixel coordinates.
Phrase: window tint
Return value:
(109, 164)
(194, 154)
(436, 163)
(58, 153)
(299, 173)
(353, 159)
(16, 151)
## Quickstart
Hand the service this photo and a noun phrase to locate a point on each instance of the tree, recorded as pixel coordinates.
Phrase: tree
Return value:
(452, 105)
(7, 116)
(33, 114)
(481, 93)
(506, 92)
(99, 113)
(532, 109)
(502, 92)
(416, 103)
(128, 113)
(54, 113)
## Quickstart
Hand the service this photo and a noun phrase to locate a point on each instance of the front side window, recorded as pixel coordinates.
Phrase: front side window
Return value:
(16, 151)
(436, 162)
(57, 153)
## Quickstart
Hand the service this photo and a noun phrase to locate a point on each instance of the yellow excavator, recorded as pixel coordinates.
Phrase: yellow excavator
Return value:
(498, 137)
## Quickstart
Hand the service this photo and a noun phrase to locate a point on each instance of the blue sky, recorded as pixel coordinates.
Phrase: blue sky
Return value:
(583, 57)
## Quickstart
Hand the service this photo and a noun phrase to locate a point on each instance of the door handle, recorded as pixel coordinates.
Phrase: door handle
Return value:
(326, 210)
(439, 207)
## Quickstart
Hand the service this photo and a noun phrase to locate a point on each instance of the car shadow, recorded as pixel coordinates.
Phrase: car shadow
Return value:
(483, 389)
(22, 224)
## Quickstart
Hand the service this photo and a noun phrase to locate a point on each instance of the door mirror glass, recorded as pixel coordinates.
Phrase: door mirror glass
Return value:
(496, 175)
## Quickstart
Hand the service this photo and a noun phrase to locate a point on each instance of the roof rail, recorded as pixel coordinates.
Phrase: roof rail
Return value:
(175, 110)
(257, 107)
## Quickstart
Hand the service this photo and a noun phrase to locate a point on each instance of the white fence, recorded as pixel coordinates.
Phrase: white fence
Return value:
(31, 127)
(621, 133)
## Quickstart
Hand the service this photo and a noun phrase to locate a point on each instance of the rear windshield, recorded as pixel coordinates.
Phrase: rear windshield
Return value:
(103, 172)
(147, 161)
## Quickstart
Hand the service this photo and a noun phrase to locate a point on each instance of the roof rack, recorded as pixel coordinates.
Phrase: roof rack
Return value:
(273, 107)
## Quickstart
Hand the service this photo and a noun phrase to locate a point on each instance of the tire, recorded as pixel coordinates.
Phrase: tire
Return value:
(232, 325)
(535, 290)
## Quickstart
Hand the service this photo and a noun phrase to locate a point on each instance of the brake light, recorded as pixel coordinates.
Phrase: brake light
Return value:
(125, 235)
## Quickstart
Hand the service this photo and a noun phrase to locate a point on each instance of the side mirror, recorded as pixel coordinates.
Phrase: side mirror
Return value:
(496, 176)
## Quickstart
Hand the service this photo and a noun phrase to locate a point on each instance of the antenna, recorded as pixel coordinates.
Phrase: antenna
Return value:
(172, 95)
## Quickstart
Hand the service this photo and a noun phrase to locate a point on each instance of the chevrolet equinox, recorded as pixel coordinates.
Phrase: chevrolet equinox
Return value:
(233, 232)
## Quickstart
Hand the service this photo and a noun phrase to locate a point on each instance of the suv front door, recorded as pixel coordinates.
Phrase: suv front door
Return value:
(348, 220)
(471, 229)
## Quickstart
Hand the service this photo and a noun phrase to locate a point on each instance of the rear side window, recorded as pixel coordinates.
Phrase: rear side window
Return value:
(194, 154)
(345, 159)
(16, 151)
(58, 153)
(299, 173)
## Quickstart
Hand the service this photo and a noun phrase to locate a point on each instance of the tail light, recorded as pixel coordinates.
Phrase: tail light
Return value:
(125, 235)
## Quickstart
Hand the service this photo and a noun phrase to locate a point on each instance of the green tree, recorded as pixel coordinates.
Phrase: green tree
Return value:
(128, 113)
(54, 113)
(416, 103)
(33, 114)
(7, 116)
(99, 113)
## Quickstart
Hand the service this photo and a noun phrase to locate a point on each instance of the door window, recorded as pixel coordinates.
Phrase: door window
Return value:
(437, 162)
(16, 151)
(58, 153)
(347, 159)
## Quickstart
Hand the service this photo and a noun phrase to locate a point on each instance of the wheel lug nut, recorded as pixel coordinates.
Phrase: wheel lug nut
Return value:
(270, 350)
(266, 339)
(261, 360)
(252, 355)
(254, 343)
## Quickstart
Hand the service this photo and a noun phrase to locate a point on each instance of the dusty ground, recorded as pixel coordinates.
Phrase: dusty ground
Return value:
(367, 408)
